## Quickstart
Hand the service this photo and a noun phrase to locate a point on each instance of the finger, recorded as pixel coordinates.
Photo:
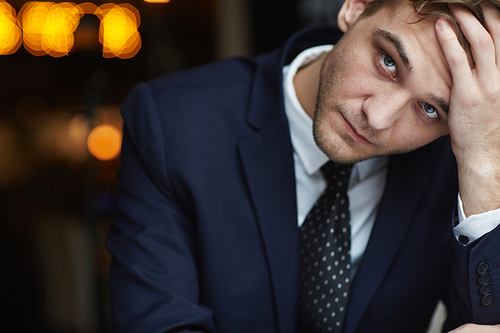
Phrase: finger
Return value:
(480, 40)
(476, 328)
(454, 53)
(492, 18)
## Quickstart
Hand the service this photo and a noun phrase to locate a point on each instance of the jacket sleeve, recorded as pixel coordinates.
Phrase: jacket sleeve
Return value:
(154, 283)
(474, 295)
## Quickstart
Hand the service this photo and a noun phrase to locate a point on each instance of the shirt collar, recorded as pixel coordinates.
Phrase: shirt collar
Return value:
(308, 153)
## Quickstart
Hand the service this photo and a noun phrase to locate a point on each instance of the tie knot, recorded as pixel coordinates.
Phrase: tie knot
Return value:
(336, 173)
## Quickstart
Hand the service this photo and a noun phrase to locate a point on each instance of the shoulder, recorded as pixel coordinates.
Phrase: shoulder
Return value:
(211, 86)
(228, 71)
(199, 107)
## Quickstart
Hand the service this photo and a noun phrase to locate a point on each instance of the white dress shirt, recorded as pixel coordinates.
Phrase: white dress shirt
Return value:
(368, 178)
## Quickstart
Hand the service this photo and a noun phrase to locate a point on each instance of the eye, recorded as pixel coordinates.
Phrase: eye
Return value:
(429, 110)
(389, 63)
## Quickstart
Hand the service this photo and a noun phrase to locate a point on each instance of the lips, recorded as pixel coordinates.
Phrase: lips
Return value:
(353, 133)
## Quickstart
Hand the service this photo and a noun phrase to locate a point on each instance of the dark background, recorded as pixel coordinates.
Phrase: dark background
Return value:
(56, 200)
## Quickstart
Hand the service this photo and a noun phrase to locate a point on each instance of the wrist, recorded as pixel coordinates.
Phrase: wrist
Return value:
(479, 185)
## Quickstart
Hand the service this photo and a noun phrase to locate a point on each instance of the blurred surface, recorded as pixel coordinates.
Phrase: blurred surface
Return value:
(66, 67)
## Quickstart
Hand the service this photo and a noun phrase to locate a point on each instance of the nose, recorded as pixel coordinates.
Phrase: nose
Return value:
(384, 108)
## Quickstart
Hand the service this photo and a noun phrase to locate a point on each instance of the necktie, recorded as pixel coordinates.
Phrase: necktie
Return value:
(324, 256)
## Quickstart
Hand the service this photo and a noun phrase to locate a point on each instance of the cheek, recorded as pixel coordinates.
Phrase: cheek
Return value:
(358, 80)
(347, 65)
(347, 85)
(412, 135)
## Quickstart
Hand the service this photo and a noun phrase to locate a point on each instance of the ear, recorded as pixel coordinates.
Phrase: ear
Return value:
(349, 13)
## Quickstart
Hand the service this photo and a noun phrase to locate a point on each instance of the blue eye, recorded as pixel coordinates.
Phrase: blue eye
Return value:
(429, 110)
(388, 62)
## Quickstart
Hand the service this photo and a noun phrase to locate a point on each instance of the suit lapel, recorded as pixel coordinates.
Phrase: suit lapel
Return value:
(268, 165)
(396, 211)
(267, 160)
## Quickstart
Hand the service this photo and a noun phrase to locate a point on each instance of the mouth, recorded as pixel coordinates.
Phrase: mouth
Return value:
(353, 133)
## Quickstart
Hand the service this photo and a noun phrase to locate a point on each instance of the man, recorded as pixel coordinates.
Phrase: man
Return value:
(219, 167)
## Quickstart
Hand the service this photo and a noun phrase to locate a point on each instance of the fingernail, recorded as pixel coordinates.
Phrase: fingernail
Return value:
(443, 23)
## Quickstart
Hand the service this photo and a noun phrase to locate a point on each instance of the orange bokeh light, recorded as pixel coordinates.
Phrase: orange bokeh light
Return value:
(10, 32)
(48, 28)
(87, 7)
(104, 142)
(118, 32)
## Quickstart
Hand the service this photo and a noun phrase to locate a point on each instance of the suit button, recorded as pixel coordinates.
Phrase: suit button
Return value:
(483, 279)
(463, 239)
(482, 268)
(485, 289)
(487, 299)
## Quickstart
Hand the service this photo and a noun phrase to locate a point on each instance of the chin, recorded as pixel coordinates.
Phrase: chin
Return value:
(341, 152)
(338, 148)
(349, 159)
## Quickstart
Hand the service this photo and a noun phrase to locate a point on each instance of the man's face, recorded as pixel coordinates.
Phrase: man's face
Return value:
(384, 88)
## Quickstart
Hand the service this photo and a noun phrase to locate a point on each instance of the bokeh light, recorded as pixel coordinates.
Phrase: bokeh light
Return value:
(10, 32)
(118, 32)
(63, 137)
(104, 142)
(62, 21)
(87, 7)
(48, 28)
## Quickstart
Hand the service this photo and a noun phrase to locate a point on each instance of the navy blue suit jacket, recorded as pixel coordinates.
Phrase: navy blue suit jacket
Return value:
(206, 237)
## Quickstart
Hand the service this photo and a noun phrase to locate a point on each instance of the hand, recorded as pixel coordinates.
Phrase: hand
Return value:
(473, 328)
(474, 113)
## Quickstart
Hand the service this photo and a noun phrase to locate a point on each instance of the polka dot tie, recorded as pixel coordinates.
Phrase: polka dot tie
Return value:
(324, 256)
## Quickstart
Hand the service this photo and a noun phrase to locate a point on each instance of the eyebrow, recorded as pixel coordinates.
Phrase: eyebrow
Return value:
(398, 44)
(441, 103)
